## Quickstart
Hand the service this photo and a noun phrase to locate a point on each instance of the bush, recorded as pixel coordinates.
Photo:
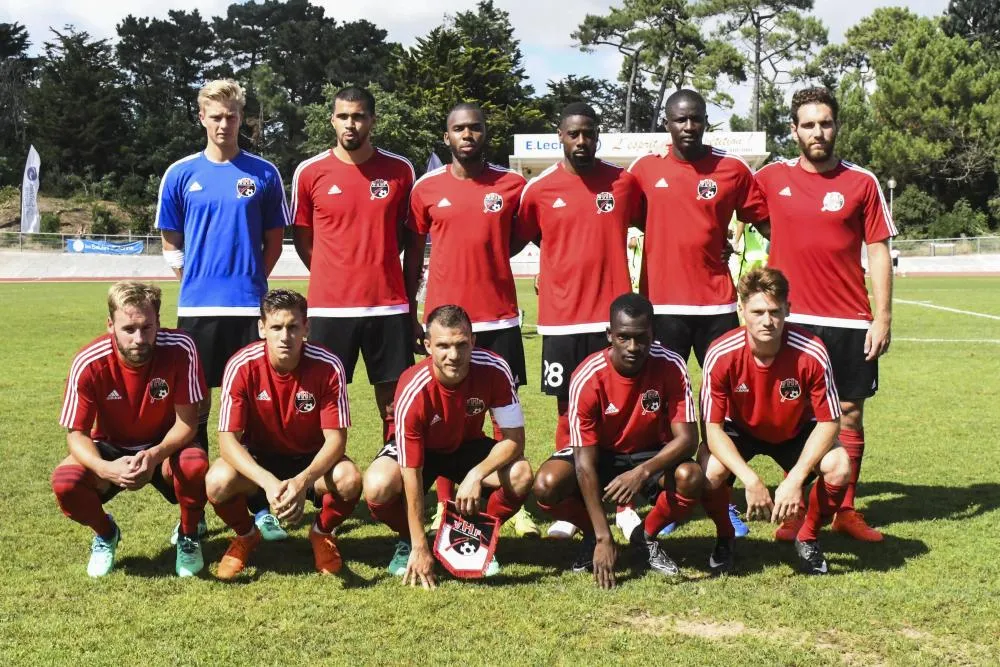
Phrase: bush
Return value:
(103, 221)
(9, 194)
(961, 220)
(915, 212)
(50, 223)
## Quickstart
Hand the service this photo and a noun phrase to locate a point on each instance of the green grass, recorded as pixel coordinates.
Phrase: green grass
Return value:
(928, 594)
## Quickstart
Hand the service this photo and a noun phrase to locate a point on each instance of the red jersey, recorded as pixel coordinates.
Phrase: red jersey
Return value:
(818, 222)
(625, 415)
(773, 402)
(353, 211)
(132, 408)
(470, 221)
(284, 413)
(584, 222)
(428, 415)
(689, 206)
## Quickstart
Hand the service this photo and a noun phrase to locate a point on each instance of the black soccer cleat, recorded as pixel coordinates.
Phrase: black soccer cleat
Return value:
(656, 558)
(584, 561)
(811, 558)
(722, 559)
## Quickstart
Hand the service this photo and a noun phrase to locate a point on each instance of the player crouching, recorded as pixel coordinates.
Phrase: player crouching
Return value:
(768, 389)
(439, 410)
(624, 402)
(283, 428)
(131, 408)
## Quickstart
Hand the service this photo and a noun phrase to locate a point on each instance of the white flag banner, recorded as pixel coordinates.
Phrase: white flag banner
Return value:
(31, 219)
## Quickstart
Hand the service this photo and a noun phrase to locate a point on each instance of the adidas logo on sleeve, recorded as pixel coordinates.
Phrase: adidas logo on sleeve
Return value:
(195, 187)
(742, 388)
(662, 183)
(444, 203)
(611, 409)
(334, 190)
(558, 203)
(114, 396)
(263, 396)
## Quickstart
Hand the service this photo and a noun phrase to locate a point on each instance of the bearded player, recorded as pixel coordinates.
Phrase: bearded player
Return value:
(131, 408)
(283, 429)
(822, 209)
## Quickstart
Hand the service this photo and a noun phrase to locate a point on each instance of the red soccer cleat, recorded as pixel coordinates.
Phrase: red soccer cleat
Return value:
(237, 555)
(789, 529)
(852, 524)
(325, 552)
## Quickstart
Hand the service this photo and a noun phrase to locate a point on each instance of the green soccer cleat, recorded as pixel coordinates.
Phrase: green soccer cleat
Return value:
(189, 559)
(202, 531)
(269, 527)
(397, 566)
(437, 518)
(524, 525)
(493, 568)
(102, 553)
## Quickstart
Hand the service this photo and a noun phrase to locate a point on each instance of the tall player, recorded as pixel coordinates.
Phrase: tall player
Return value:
(222, 214)
(283, 429)
(349, 204)
(131, 408)
(468, 207)
(822, 210)
(768, 389)
(578, 211)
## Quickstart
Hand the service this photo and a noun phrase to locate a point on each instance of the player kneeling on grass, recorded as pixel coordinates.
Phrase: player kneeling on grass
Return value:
(283, 428)
(438, 416)
(632, 430)
(768, 389)
(131, 408)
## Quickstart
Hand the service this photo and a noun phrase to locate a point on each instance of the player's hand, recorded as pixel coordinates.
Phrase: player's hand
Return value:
(420, 569)
(468, 494)
(292, 502)
(119, 472)
(759, 505)
(605, 555)
(535, 283)
(623, 488)
(877, 339)
(275, 492)
(418, 337)
(787, 500)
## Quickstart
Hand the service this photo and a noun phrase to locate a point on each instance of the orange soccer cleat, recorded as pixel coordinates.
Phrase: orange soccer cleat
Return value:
(789, 529)
(853, 524)
(237, 555)
(325, 552)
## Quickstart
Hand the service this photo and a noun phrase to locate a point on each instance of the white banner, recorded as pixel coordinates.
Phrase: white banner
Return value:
(31, 220)
(615, 144)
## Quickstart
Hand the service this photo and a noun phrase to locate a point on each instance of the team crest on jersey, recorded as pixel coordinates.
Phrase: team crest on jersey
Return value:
(246, 187)
(605, 202)
(474, 406)
(492, 203)
(379, 188)
(789, 389)
(304, 401)
(707, 188)
(833, 201)
(158, 389)
(650, 401)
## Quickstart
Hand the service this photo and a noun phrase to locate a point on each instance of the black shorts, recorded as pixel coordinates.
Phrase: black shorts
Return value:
(452, 465)
(285, 466)
(786, 454)
(217, 338)
(385, 341)
(109, 452)
(855, 377)
(561, 354)
(681, 333)
(610, 465)
(508, 344)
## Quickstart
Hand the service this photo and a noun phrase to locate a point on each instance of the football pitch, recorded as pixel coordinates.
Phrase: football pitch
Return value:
(928, 594)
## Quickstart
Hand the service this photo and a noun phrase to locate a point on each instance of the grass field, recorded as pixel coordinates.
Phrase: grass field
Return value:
(929, 594)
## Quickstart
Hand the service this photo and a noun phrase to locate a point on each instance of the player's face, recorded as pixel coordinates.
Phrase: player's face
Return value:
(686, 122)
(134, 331)
(284, 332)
(815, 132)
(450, 350)
(221, 121)
(466, 135)
(630, 338)
(578, 135)
(353, 123)
(765, 317)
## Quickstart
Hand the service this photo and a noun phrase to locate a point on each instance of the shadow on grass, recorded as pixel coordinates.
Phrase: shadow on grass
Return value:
(921, 503)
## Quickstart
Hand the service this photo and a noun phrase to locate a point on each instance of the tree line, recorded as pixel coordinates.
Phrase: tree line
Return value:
(920, 96)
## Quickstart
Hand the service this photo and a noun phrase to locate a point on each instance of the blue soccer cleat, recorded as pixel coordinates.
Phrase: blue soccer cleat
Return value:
(742, 530)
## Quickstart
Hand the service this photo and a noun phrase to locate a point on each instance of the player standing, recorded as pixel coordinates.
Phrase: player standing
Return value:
(632, 430)
(468, 207)
(439, 411)
(283, 429)
(768, 389)
(222, 214)
(822, 209)
(348, 206)
(131, 407)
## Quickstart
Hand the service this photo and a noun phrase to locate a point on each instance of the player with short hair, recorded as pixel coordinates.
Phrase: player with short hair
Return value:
(349, 206)
(768, 389)
(283, 429)
(222, 214)
(439, 411)
(468, 206)
(131, 407)
(632, 430)
(822, 209)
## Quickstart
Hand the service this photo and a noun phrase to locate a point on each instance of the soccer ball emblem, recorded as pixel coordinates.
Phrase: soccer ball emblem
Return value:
(492, 203)
(789, 389)
(605, 202)
(379, 188)
(467, 548)
(304, 402)
(474, 406)
(833, 201)
(650, 401)
(245, 187)
(707, 188)
(158, 389)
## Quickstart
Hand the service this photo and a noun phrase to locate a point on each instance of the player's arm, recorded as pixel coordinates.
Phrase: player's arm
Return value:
(508, 449)
(413, 268)
(420, 567)
(236, 455)
(622, 489)
(302, 237)
(723, 448)
(173, 251)
(880, 267)
(605, 553)
(292, 502)
(82, 448)
(788, 495)
(273, 240)
(517, 244)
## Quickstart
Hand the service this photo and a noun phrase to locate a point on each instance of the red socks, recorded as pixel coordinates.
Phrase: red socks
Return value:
(333, 512)
(79, 500)
(716, 504)
(392, 514)
(445, 490)
(234, 512)
(572, 510)
(670, 507)
(503, 505)
(824, 500)
(854, 443)
(189, 467)
(562, 424)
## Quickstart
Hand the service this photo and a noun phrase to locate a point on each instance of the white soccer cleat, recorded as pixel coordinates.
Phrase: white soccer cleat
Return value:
(627, 520)
(562, 530)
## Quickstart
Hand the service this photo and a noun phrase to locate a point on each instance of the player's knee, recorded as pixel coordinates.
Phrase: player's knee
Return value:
(852, 415)
(66, 480)
(546, 487)
(193, 463)
(380, 486)
(347, 480)
(218, 482)
(521, 477)
(836, 467)
(690, 479)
